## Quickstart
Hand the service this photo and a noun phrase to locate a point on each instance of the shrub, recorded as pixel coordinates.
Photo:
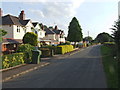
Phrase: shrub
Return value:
(30, 38)
(27, 50)
(46, 52)
(54, 48)
(11, 60)
(62, 49)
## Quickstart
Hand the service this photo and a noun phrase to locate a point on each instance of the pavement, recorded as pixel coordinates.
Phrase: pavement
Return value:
(14, 72)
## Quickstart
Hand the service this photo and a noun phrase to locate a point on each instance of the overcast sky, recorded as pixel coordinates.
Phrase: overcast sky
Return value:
(93, 15)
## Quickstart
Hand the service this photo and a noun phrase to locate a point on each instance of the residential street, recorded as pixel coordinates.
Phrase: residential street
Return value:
(81, 70)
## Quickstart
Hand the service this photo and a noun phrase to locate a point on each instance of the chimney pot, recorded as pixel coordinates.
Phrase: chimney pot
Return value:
(22, 15)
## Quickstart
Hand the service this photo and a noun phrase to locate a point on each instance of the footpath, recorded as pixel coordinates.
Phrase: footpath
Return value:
(10, 73)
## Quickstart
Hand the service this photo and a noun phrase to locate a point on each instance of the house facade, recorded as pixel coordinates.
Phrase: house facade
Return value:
(55, 35)
(16, 27)
(38, 30)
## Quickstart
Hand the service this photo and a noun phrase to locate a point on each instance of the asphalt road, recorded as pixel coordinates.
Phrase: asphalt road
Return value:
(81, 70)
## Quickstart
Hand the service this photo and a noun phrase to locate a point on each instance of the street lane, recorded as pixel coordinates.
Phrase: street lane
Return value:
(81, 70)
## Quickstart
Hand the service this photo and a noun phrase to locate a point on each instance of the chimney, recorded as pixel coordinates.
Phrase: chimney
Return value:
(42, 27)
(56, 28)
(22, 15)
(1, 12)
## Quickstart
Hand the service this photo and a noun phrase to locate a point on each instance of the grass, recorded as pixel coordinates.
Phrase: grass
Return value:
(110, 65)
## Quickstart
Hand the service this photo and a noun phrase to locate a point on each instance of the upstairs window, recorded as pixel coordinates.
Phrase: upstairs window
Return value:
(18, 28)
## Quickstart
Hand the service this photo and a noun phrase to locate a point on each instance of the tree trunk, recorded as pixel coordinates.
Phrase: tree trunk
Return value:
(74, 44)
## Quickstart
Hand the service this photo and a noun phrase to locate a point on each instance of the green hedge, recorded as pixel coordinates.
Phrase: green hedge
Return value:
(27, 50)
(54, 48)
(62, 49)
(45, 52)
(11, 60)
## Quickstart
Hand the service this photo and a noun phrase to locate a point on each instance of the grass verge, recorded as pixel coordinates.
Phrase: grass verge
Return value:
(110, 65)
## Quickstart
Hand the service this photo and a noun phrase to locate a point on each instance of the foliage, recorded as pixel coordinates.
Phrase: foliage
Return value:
(62, 49)
(75, 31)
(27, 50)
(11, 60)
(45, 52)
(104, 37)
(30, 38)
(54, 48)
(116, 34)
(66, 43)
(88, 39)
(3, 32)
(110, 64)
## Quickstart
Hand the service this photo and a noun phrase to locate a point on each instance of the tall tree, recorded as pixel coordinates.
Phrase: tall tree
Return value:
(74, 31)
(104, 37)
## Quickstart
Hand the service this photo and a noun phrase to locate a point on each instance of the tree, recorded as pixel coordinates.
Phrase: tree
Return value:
(116, 34)
(104, 37)
(88, 39)
(30, 38)
(74, 31)
(3, 32)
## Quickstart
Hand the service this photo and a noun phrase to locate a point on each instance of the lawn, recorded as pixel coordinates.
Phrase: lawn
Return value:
(110, 65)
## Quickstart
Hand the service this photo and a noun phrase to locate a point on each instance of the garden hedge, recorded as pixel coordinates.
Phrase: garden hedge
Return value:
(62, 49)
(11, 60)
(45, 52)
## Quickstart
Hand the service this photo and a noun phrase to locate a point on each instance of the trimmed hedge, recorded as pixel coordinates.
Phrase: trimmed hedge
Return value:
(54, 48)
(11, 60)
(45, 52)
(62, 49)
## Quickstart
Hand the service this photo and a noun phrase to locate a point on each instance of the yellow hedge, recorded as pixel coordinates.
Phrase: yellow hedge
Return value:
(11, 60)
(62, 49)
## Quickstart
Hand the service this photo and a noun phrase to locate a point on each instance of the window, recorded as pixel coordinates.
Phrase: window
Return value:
(18, 28)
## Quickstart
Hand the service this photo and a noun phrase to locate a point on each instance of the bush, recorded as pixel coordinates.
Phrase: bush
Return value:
(11, 60)
(46, 52)
(30, 38)
(66, 43)
(27, 50)
(54, 48)
(62, 49)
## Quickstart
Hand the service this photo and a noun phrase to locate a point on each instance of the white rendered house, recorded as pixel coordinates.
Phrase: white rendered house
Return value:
(16, 27)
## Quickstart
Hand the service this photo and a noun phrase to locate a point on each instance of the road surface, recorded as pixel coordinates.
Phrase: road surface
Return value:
(81, 70)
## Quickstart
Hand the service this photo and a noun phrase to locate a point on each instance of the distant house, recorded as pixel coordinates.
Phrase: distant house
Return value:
(16, 27)
(59, 35)
(56, 36)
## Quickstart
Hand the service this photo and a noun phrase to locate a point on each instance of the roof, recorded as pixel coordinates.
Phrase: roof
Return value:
(57, 31)
(48, 31)
(11, 40)
(34, 24)
(13, 20)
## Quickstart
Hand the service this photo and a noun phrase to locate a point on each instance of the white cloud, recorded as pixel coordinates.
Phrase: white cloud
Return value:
(37, 12)
(58, 12)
